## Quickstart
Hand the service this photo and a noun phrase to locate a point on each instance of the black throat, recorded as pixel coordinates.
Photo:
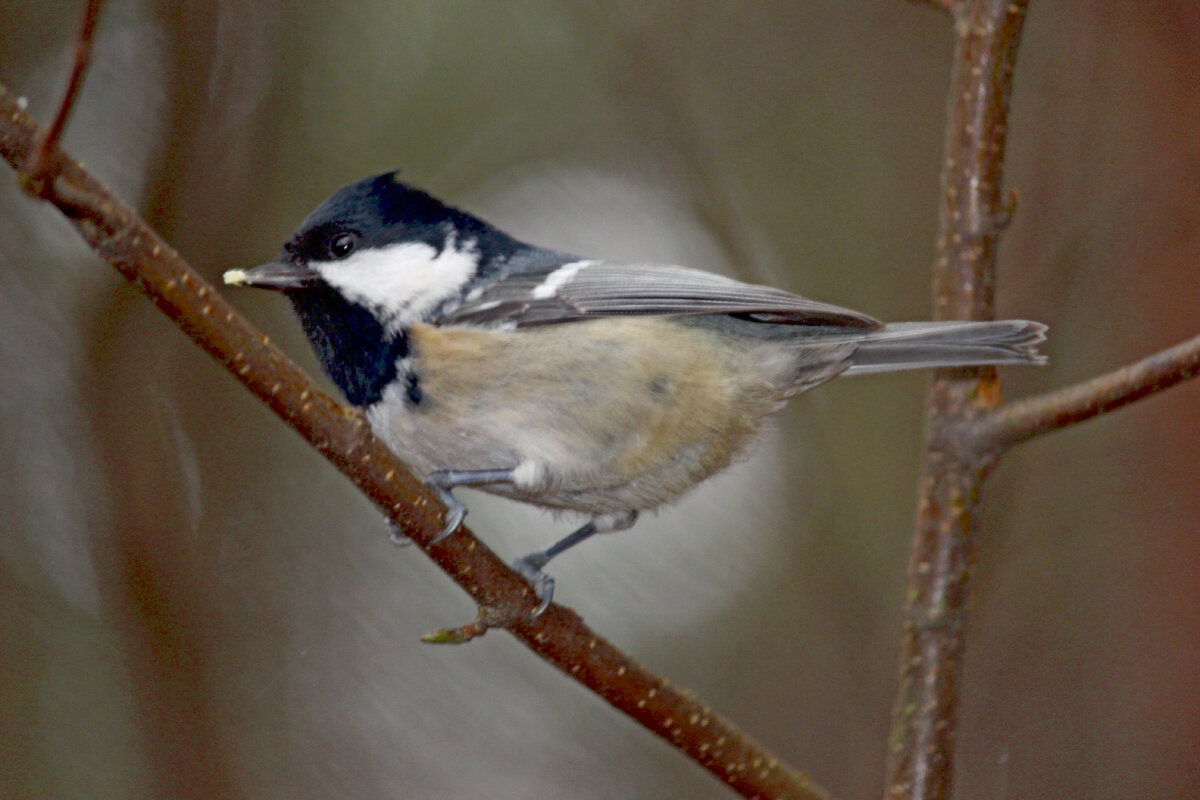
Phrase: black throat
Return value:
(358, 354)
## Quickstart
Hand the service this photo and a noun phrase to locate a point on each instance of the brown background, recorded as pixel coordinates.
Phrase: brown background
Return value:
(193, 604)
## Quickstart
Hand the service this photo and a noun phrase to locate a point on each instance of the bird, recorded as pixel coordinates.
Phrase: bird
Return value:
(574, 384)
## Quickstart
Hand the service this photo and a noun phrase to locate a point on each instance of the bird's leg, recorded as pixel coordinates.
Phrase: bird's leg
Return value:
(444, 481)
(530, 566)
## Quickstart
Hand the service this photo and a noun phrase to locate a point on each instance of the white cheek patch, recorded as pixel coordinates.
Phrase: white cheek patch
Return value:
(558, 279)
(404, 282)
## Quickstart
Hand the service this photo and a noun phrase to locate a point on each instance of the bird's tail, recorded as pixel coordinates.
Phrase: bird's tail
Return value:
(914, 345)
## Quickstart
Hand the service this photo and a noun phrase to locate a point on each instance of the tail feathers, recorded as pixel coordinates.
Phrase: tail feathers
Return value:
(915, 345)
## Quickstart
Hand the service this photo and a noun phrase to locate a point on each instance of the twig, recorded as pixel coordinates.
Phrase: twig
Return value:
(37, 173)
(973, 211)
(1021, 420)
(342, 435)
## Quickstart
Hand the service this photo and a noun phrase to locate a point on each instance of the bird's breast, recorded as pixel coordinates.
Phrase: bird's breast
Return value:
(617, 413)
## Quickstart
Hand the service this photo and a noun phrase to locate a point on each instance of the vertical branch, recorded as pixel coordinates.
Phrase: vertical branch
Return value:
(972, 214)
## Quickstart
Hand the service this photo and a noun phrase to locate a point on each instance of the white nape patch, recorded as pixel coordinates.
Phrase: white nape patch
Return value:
(557, 279)
(404, 282)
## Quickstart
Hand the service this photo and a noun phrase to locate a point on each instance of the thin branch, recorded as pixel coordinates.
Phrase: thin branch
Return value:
(1024, 419)
(341, 434)
(37, 173)
(973, 212)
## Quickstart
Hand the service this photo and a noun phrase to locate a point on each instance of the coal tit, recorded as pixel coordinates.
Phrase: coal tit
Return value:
(571, 383)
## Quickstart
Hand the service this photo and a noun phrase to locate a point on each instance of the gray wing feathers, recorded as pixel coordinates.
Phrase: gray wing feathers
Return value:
(914, 345)
(579, 290)
(554, 289)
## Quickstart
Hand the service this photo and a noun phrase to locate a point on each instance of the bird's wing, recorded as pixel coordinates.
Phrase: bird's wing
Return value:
(561, 291)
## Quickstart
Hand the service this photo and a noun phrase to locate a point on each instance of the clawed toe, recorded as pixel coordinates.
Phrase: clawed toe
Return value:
(456, 512)
(543, 585)
(454, 517)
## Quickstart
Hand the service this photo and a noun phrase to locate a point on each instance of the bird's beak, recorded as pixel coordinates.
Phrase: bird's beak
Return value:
(276, 275)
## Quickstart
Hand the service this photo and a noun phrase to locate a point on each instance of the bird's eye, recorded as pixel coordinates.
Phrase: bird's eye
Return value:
(342, 245)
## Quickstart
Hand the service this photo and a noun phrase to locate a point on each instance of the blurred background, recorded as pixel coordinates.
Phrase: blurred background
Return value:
(194, 604)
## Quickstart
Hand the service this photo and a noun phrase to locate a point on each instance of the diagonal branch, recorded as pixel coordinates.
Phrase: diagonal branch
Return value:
(341, 434)
(1024, 419)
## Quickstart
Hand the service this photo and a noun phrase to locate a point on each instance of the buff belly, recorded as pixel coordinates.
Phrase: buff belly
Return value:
(597, 418)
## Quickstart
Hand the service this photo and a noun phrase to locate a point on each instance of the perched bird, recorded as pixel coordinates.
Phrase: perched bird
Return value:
(570, 383)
